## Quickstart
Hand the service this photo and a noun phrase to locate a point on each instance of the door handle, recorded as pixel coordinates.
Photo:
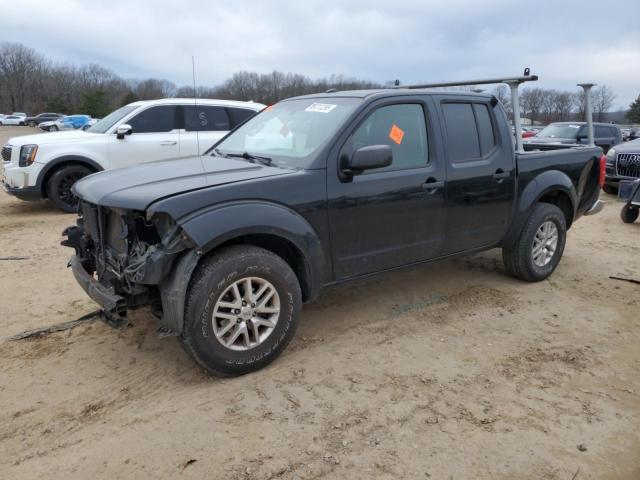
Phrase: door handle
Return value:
(168, 142)
(500, 175)
(432, 185)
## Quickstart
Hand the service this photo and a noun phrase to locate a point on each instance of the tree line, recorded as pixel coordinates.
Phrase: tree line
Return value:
(31, 83)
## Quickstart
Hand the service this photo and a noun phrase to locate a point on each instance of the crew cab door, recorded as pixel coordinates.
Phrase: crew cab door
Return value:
(154, 137)
(480, 173)
(392, 216)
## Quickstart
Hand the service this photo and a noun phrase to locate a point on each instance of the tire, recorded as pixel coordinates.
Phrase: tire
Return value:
(22, 124)
(53, 128)
(32, 124)
(629, 214)
(519, 258)
(610, 189)
(60, 183)
(211, 291)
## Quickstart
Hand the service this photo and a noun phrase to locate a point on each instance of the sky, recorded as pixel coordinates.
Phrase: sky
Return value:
(564, 42)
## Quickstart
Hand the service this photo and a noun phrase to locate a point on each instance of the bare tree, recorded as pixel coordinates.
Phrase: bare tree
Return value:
(153, 88)
(602, 99)
(501, 92)
(531, 101)
(20, 73)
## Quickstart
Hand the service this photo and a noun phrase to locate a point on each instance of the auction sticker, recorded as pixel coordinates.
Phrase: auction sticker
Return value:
(320, 107)
(396, 134)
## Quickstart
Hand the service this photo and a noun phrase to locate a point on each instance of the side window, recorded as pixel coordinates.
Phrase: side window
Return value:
(204, 118)
(154, 119)
(485, 128)
(239, 115)
(463, 143)
(601, 131)
(403, 128)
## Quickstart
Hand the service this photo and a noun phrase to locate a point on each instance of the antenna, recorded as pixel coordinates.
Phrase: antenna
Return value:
(195, 98)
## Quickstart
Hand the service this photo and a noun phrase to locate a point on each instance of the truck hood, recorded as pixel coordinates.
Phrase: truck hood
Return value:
(135, 188)
(628, 147)
(70, 136)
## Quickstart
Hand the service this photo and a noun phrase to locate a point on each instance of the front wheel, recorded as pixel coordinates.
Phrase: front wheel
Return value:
(242, 310)
(53, 128)
(629, 214)
(538, 250)
(610, 189)
(59, 187)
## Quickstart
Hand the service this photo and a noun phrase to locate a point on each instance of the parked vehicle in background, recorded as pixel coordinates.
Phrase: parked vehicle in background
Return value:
(314, 191)
(46, 165)
(630, 195)
(623, 163)
(68, 122)
(606, 134)
(90, 123)
(20, 114)
(42, 117)
(12, 120)
(528, 132)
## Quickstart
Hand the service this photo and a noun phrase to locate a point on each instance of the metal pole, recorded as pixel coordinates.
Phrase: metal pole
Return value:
(515, 106)
(588, 111)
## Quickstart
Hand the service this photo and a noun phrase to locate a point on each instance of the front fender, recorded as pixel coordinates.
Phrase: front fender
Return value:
(545, 182)
(213, 226)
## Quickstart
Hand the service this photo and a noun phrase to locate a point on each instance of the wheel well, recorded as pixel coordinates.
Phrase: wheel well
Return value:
(55, 168)
(285, 250)
(561, 200)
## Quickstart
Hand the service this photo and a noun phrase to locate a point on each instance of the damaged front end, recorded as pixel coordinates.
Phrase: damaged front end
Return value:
(123, 259)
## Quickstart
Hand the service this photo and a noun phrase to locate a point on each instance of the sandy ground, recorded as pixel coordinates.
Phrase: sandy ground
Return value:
(454, 371)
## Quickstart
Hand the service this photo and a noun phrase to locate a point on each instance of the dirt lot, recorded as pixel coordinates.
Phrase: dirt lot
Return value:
(450, 372)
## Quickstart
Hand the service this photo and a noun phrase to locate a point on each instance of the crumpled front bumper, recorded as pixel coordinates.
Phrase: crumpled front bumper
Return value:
(114, 307)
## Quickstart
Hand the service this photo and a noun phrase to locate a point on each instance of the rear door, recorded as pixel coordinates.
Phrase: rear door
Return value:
(480, 173)
(391, 216)
(154, 137)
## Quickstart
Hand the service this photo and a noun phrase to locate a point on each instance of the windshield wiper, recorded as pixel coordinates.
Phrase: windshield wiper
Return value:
(252, 158)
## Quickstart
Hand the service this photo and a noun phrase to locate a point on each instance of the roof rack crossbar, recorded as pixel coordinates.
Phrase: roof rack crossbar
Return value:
(513, 82)
(508, 80)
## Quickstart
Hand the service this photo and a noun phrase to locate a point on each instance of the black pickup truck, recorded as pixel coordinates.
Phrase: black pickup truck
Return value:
(315, 191)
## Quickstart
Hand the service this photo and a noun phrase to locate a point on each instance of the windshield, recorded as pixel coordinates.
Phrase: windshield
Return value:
(560, 130)
(290, 132)
(110, 120)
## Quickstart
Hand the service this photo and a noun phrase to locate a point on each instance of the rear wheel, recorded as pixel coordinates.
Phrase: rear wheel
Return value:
(629, 214)
(242, 310)
(539, 247)
(59, 187)
(610, 189)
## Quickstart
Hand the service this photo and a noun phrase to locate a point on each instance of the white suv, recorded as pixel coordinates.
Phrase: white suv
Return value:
(46, 165)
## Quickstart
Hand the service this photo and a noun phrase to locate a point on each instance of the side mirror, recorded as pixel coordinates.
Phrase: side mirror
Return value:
(123, 130)
(368, 158)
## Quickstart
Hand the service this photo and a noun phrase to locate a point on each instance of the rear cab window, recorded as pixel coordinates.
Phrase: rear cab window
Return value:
(470, 131)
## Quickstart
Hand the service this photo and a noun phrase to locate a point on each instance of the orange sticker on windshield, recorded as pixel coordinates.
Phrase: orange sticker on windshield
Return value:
(396, 134)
